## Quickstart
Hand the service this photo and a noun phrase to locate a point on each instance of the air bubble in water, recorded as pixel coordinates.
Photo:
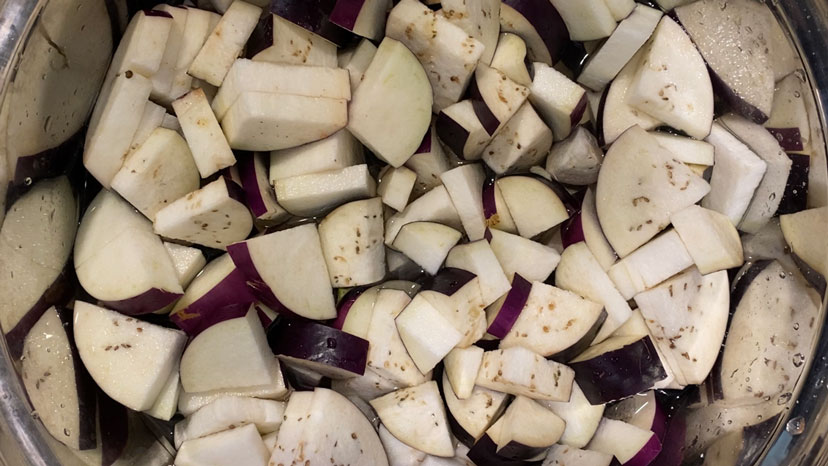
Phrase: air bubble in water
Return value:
(796, 426)
(798, 360)
(27, 181)
(796, 326)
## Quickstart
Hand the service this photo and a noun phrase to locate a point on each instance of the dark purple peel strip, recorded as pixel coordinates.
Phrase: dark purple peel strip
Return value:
(425, 146)
(734, 101)
(250, 183)
(548, 23)
(646, 454)
(578, 111)
(345, 304)
(261, 38)
(572, 231)
(489, 198)
(346, 12)
(58, 293)
(449, 280)
(234, 191)
(511, 308)
(162, 14)
(230, 298)
(581, 345)
(789, 138)
(795, 198)
(240, 254)
(620, 373)
(147, 302)
(318, 343)
(86, 388)
(487, 119)
(114, 424)
(452, 133)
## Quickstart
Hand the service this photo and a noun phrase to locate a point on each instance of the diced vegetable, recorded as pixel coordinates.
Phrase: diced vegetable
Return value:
(581, 417)
(560, 102)
(560, 455)
(800, 232)
(533, 205)
(213, 216)
(577, 159)
(433, 206)
(163, 160)
(629, 444)
(735, 43)
(632, 213)
(650, 264)
(129, 359)
(448, 54)
(519, 371)
(528, 429)
(617, 368)
(538, 23)
(56, 381)
(207, 143)
(736, 175)
(416, 416)
(711, 240)
(277, 40)
(230, 413)
(671, 83)
(630, 35)
(615, 114)
(243, 445)
(225, 43)
(286, 271)
(586, 19)
(328, 351)
(338, 151)
(521, 143)
(510, 58)
(351, 238)
(461, 366)
(395, 187)
(427, 243)
(518, 255)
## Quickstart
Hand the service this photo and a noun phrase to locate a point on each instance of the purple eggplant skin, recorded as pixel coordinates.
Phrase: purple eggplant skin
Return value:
(300, 382)
(448, 280)
(230, 298)
(453, 135)
(484, 453)
(315, 342)
(572, 231)
(346, 12)
(547, 22)
(59, 292)
(344, 305)
(250, 184)
(489, 199)
(578, 111)
(570, 353)
(795, 198)
(241, 257)
(646, 454)
(673, 443)
(484, 113)
(114, 424)
(512, 307)
(147, 302)
(618, 374)
(261, 38)
(313, 16)
(733, 101)
(86, 388)
(789, 138)
(518, 451)
(425, 146)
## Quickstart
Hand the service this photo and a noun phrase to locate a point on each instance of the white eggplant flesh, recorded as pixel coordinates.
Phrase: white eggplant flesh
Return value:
(447, 51)
(163, 161)
(129, 359)
(395, 187)
(465, 187)
(214, 216)
(650, 264)
(351, 238)
(581, 417)
(225, 43)
(315, 194)
(560, 101)
(736, 175)
(338, 151)
(510, 58)
(255, 76)
(633, 213)
(523, 142)
(518, 255)
(479, 18)
(230, 413)
(672, 83)
(433, 206)
(417, 417)
(289, 43)
(562, 455)
(427, 243)
(207, 364)
(688, 150)
(188, 262)
(427, 335)
(577, 159)
(533, 205)
(203, 133)
(710, 238)
(461, 366)
(479, 259)
(236, 446)
(617, 115)
(586, 20)
(519, 371)
(630, 35)
(357, 60)
(394, 94)
(800, 231)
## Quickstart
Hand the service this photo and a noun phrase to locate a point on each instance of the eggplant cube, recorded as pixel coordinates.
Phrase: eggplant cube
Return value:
(395, 187)
(163, 161)
(316, 193)
(448, 53)
(650, 264)
(242, 445)
(394, 95)
(427, 243)
(335, 152)
(461, 368)
(433, 206)
(225, 43)
(214, 216)
(519, 371)
(427, 335)
(586, 19)
(266, 415)
(521, 143)
(203, 133)
(277, 40)
(351, 238)
(135, 373)
(710, 238)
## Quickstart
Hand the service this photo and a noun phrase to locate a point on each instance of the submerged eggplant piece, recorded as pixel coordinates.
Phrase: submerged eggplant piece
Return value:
(539, 24)
(324, 349)
(617, 368)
